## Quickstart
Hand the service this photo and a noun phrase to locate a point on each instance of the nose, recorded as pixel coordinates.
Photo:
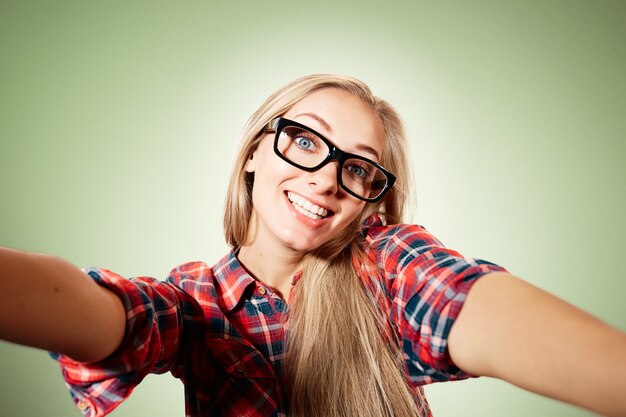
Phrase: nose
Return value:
(324, 180)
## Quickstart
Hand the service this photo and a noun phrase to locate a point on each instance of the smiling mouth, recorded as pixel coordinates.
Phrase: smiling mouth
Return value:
(305, 207)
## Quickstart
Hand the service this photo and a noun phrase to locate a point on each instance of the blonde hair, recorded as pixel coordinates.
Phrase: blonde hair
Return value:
(342, 358)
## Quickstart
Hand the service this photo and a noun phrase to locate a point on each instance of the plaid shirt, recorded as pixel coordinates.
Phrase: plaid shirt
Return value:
(222, 332)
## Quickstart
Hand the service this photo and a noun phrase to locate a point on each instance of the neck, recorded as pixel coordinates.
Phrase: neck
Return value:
(273, 266)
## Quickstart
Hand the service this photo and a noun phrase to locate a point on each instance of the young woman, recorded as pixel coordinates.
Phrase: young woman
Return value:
(326, 304)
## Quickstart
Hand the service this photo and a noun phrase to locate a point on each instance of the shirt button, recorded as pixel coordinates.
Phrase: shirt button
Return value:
(241, 368)
(262, 290)
(82, 405)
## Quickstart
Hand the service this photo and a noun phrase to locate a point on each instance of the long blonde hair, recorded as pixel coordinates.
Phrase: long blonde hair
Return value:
(341, 355)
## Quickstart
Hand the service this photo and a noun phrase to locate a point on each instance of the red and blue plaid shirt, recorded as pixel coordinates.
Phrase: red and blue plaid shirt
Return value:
(221, 332)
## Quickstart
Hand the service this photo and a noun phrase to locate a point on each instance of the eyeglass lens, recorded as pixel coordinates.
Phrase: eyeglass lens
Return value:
(307, 149)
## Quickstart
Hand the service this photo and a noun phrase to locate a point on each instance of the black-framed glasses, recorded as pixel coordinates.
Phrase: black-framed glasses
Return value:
(308, 150)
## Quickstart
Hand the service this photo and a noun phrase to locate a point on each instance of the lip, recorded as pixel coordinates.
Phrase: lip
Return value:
(314, 223)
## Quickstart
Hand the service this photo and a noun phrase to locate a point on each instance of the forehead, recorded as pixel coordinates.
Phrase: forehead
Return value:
(345, 119)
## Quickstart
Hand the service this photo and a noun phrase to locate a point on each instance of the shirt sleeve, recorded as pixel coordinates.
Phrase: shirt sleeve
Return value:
(155, 312)
(426, 285)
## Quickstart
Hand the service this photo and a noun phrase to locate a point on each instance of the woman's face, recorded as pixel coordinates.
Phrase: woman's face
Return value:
(287, 201)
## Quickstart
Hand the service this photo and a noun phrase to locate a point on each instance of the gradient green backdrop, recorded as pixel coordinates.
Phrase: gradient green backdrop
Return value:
(119, 121)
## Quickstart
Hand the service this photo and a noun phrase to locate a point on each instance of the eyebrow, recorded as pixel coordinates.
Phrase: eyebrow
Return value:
(329, 129)
(321, 121)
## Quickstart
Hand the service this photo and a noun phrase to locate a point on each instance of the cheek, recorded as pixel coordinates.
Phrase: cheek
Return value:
(269, 173)
(353, 210)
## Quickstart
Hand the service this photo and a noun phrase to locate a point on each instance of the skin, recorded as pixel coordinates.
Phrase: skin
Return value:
(507, 328)
(82, 319)
(281, 235)
(511, 330)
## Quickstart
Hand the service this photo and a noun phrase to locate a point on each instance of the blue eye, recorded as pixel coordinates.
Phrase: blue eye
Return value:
(304, 143)
(358, 171)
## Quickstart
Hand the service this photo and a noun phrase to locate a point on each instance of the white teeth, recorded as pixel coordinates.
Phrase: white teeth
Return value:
(307, 213)
(307, 208)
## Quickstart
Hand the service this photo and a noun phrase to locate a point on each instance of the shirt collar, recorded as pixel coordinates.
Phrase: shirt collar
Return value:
(296, 278)
(232, 280)
(373, 220)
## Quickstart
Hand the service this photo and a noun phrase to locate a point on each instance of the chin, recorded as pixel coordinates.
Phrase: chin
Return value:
(301, 246)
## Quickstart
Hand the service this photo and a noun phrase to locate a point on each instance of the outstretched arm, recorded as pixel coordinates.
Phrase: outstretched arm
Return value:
(511, 330)
(48, 303)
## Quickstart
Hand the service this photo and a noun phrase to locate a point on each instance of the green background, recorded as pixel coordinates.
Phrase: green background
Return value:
(119, 122)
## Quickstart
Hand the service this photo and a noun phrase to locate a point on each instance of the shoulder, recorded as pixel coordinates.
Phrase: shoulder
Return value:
(190, 271)
(193, 277)
(399, 237)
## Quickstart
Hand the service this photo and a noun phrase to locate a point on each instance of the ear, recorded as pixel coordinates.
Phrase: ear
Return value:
(250, 163)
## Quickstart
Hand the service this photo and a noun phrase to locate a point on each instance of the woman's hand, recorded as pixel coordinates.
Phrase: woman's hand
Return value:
(47, 303)
(511, 330)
